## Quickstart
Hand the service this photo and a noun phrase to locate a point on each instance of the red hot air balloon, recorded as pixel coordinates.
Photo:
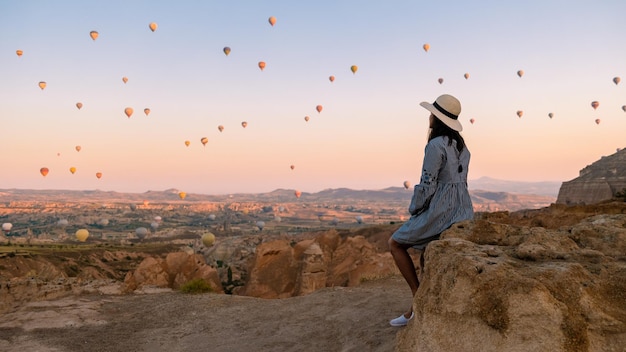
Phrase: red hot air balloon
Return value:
(44, 171)
(595, 104)
(319, 108)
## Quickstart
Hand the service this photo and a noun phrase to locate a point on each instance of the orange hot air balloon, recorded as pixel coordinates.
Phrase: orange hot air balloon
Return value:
(72, 170)
(616, 80)
(187, 143)
(550, 115)
(595, 104)
(407, 184)
(19, 52)
(93, 35)
(292, 167)
(297, 193)
(466, 75)
(79, 105)
(98, 174)
(82, 235)
(598, 121)
(182, 195)
(306, 118)
(124, 79)
(354, 68)
(440, 80)
(128, 112)
(153, 26)
(204, 141)
(472, 121)
(426, 47)
(226, 50)
(44, 171)
(520, 73)
(319, 108)
(520, 113)
(220, 127)
(42, 85)
(272, 20)
(146, 111)
(244, 124)
(78, 148)
(331, 78)
(262, 65)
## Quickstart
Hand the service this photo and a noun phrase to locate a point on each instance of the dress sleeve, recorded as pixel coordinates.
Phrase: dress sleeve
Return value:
(434, 156)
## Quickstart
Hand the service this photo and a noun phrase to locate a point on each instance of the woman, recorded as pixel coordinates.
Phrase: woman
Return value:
(441, 198)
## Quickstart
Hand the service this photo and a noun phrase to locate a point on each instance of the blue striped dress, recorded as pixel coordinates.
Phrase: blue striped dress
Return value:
(441, 198)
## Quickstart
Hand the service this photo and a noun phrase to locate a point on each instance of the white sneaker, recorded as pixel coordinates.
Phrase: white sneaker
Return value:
(401, 320)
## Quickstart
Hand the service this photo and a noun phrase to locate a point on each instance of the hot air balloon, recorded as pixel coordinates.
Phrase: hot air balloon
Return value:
(297, 193)
(141, 232)
(226, 50)
(146, 111)
(244, 124)
(153, 26)
(208, 239)
(440, 80)
(58, 154)
(426, 47)
(103, 222)
(98, 175)
(260, 224)
(598, 121)
(520, 73)
(262, 65)
(472, 121)
(124, 79)
(93, 35)
(44, 171)
(146, 203)
(62, 222)
(72, 170)
(272, 20)
(624, 108)
(466, 76)
(79, 105)
(82, 235)
(306, 118)
(187, 143)
(616, 80)
(520, 113)
(128, 112)
(595, 104)
(133, 206)
(42, 85)
(359, 219)
(212, 217)
(292, 167)
(354, 68)
(6, 227)
(204, 141)
(319, 108)
(182, 195)
(407, 184)
(154, 225)
(158, 218)
(550, 115)
(78, 148)
(220, 128)
(19, 52)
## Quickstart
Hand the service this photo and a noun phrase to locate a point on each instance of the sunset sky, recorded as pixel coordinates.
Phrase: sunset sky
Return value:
(371, 132)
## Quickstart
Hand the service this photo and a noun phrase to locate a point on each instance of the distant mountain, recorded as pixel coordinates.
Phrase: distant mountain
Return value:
(545, 188)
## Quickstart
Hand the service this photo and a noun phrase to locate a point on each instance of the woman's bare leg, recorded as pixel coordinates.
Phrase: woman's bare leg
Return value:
(404, 262)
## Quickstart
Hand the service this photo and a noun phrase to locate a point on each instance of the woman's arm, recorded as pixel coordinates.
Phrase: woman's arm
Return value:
(434, 158)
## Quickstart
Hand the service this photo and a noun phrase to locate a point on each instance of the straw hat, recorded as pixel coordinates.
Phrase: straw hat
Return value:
(447, 109)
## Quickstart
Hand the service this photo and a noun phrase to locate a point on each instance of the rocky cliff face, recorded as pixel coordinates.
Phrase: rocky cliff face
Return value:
(597, 182)
(491, 286)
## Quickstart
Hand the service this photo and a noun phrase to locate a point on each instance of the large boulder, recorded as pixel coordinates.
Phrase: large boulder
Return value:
(497, 287)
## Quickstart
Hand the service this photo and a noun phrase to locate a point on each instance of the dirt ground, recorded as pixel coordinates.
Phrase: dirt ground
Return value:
(330, 319)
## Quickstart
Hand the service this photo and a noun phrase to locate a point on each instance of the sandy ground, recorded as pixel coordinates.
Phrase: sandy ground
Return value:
(331, 319)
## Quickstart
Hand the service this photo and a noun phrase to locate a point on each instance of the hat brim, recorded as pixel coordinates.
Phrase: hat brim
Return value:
(453, 124)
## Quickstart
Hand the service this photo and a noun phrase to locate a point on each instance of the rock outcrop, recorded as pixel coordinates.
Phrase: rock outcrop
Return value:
(490, 286)
(597, 182)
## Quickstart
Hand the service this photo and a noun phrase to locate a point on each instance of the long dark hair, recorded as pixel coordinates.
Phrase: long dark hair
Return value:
(441, 129)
